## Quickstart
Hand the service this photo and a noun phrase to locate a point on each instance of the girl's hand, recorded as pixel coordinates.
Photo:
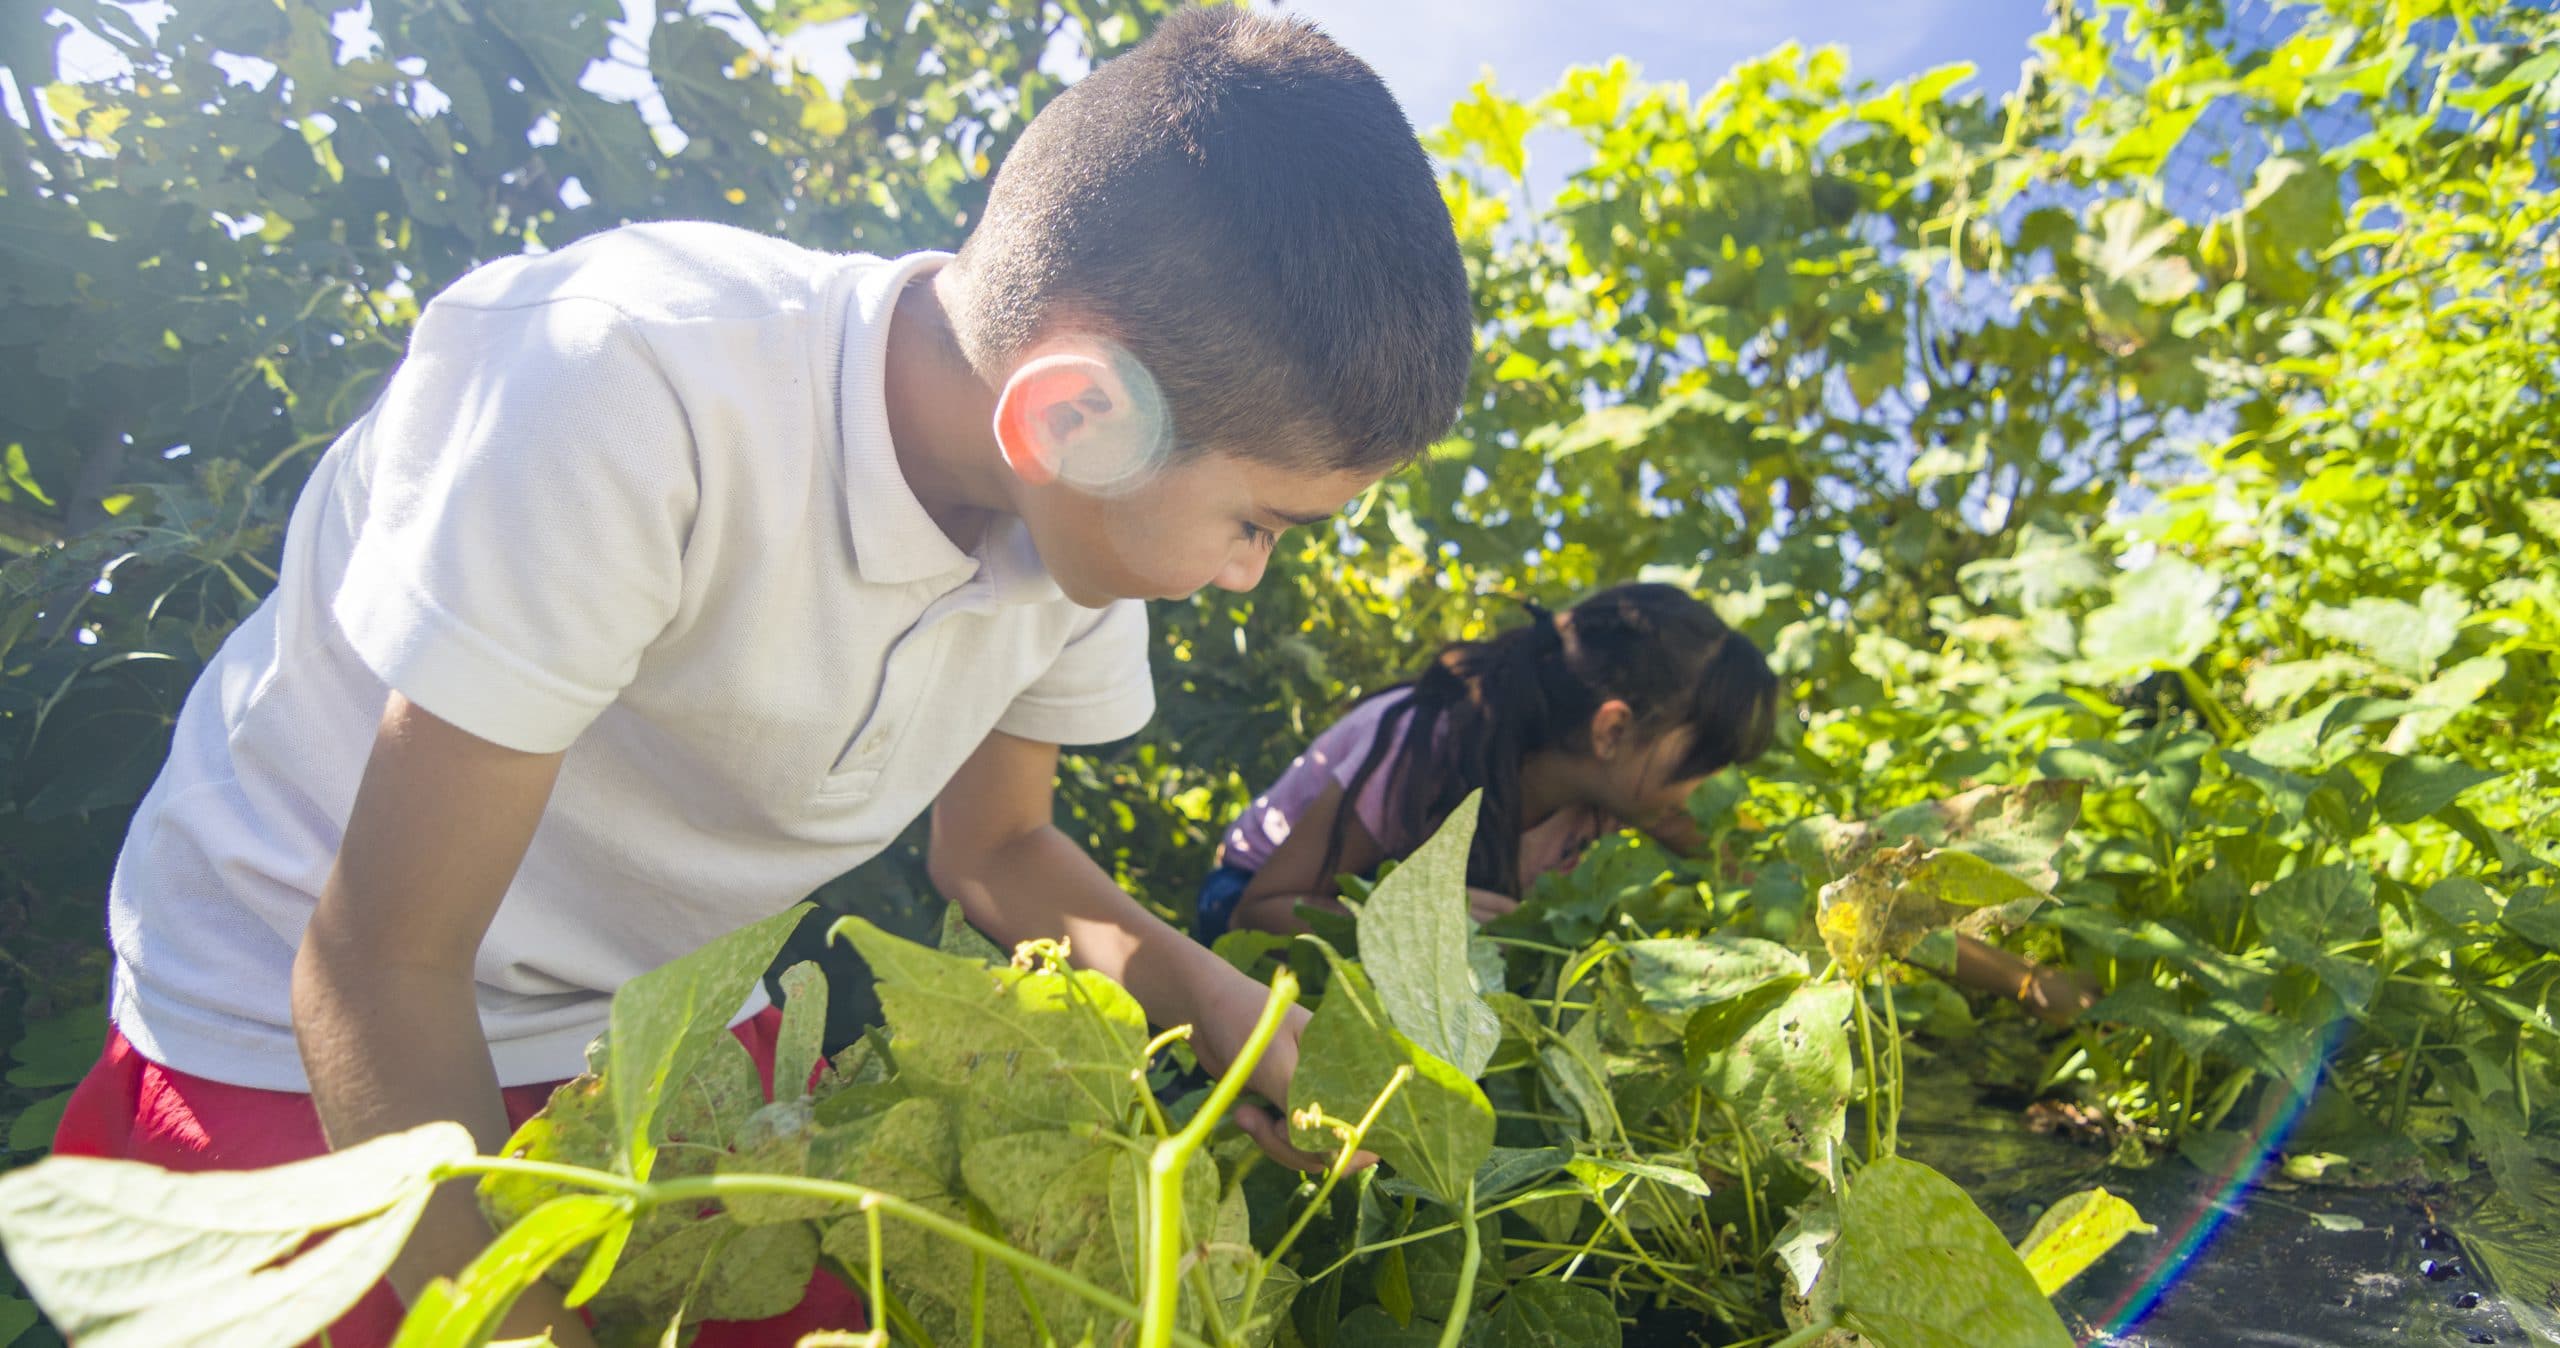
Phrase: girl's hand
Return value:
(1484, 905)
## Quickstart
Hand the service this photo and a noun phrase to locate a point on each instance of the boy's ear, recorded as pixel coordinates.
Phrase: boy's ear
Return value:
(1613, 728)
(1044, 404)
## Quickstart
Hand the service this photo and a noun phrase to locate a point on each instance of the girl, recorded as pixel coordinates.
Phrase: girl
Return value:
(1574, 726)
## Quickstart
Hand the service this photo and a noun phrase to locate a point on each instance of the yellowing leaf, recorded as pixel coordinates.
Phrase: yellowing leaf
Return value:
(2075, 1233)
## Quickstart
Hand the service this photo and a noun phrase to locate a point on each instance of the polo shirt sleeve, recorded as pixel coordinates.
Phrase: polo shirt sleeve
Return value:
(528, 480)
(1097, 690)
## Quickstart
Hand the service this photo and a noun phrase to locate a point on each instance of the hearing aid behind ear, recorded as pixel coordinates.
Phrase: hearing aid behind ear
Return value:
(1107, 438)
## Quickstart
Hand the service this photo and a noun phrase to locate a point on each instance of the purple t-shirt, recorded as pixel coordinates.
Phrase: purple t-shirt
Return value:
(1335, 758)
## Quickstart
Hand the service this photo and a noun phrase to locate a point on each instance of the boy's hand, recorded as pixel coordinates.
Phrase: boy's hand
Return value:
(1226, 1017)
(997, 852)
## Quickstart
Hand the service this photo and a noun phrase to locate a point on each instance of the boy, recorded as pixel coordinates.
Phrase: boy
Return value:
(676, 572)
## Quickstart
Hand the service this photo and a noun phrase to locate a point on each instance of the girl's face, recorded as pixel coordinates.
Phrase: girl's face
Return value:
(1634, 781)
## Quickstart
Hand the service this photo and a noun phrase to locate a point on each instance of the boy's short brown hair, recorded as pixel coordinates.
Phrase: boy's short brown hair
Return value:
(1240, 203)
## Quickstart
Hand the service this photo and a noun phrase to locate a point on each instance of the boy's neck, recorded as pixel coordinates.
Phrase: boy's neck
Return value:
(941, 415)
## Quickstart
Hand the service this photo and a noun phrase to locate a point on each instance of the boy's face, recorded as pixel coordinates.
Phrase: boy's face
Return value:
(1210, 519)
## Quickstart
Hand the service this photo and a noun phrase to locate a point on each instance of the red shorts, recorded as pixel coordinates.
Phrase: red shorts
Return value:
(132, 1109)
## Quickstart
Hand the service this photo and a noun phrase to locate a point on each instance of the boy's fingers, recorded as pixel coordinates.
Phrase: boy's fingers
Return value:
(1269, 1134)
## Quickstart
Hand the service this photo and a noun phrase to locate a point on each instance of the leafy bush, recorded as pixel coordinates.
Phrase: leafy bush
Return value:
(2177, 425)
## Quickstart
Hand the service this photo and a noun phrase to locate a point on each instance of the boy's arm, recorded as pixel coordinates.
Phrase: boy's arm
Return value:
(998, 854)
(383, 1001)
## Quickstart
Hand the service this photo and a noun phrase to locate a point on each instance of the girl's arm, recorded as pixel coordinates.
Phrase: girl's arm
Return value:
(383, 999)
(1296, 872)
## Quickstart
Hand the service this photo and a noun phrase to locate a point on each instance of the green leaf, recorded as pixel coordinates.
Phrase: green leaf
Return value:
(1008, 1048)
(802, 1040)
(2075, 1233)
(1439, 1127)
(122, 1253)
(2017, 828)
(1804, 1244)
(2308, 913)
(1677, 977)
(1899, 896)
(2163, 617)
(1787, 1077)
(1602, 1173)
(58, 1051)
(1547, 1313)
(1570, 1066)
(1713, 1028)
(2413, 788)
(467, 1309)
(2534, 914)
(664, 1021)
(2409, 638)
(1918, 1266)
(1413, 943)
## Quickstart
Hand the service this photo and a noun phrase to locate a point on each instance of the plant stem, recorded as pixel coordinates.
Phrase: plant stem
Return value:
(1806, 1335)
(1332, 1176)
(1867, 1051)
(696, 1187)
(1161, 1293)
(1459, 1305)
(1893, 1032)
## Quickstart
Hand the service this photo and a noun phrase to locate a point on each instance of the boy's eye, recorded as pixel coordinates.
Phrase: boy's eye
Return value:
(1257, 535)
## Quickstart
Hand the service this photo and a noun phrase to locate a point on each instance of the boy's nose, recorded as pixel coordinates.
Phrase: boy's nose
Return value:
(1243, 570)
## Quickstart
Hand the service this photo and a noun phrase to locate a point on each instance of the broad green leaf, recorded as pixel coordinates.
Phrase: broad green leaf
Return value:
(1713, 1028)
(2463, 901)
(2445, 697)
(2075, 1233)
(665, 1020)
(2309, 913)
(1436, 1131)
(1918, 1266)
(468, 1308)
(122, 1253)
(2163, 617)
(999, 1171)
(1511, 1169)
(2534, 914)
(774, 1140)
(1009, 1048)
(2409, 638)
(1571, 1067)
(1677, 977)
(1804, 1244)
(2017, 828)
(1373, 1327)
(1602, 1173)
(1898, 896)
(2413, 788)
(1787, 1077)
(2519, 1250)
(959, 938)
(1547, 1313)
(802, 1040)
(1413, 943)
(713, 1269)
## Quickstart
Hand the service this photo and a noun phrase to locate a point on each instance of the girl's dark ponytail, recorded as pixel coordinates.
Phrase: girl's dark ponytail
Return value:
(1480, 709)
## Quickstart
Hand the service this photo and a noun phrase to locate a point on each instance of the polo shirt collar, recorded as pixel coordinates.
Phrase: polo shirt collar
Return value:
(894, 541)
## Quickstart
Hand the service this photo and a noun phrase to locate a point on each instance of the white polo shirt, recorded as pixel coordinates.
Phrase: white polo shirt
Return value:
(636, 500)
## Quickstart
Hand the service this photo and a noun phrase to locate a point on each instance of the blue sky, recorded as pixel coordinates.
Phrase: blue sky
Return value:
(1431, 51)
